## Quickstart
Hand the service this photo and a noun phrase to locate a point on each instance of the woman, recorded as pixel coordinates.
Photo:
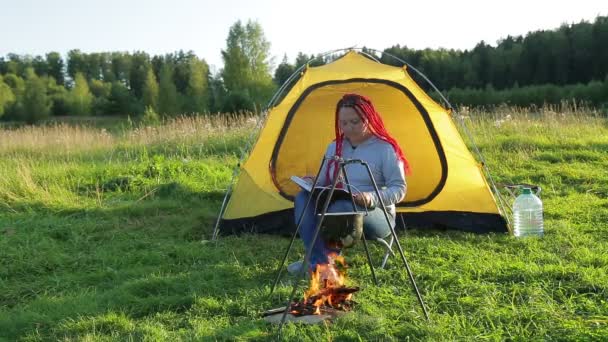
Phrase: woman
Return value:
(360, 134)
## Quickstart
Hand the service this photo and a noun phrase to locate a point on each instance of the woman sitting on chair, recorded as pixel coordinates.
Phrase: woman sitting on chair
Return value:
(360, 134)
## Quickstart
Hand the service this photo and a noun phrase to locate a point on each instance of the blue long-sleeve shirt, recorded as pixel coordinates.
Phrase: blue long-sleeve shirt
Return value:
(384, 164)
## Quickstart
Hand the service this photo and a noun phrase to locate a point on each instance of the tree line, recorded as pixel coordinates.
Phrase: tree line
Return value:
(544, 66)
(121, 83)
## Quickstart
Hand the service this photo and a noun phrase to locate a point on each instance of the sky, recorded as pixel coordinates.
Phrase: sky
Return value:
(313, 26)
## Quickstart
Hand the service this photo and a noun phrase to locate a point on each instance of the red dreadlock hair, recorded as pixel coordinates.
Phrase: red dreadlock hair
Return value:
(364, 107)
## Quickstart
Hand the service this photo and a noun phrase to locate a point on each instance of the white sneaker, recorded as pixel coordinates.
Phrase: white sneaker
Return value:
(295, 268)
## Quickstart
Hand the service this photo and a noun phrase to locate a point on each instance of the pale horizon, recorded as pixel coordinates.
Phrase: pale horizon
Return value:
(35, 28)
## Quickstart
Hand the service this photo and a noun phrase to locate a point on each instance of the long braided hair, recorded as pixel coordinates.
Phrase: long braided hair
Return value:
(364, 107)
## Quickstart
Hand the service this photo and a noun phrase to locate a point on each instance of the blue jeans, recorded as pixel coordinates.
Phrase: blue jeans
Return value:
(374, 225)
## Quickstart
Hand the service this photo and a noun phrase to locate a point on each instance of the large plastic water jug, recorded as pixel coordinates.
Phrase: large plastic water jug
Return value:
(528, 214)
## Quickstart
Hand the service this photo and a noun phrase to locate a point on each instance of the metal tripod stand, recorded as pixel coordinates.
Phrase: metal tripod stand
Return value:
(340, 163)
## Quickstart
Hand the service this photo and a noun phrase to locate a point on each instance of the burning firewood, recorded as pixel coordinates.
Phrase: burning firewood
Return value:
(337, 298)
(327, 290)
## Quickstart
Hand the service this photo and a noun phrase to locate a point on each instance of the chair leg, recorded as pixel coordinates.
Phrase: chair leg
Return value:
(389, 250)
(403, 222)
(389, 246)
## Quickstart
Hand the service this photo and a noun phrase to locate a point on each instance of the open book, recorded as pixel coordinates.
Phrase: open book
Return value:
(339, 193)
(304, 184)
(320, 193)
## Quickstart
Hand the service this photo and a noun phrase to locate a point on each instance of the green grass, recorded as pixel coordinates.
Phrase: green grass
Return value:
(101, 240)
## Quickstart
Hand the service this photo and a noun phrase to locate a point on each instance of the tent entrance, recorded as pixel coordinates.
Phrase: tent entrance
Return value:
(309, 127)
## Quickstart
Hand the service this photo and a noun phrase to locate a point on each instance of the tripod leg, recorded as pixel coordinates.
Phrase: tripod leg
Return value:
(352, 199)
(369, 260)
(279, 270)
(411, 275)
(405, 263)
(308, 254)
(299, 278)
(300, 219)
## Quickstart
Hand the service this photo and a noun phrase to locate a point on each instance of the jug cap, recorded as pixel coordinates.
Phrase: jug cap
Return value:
(527, 191)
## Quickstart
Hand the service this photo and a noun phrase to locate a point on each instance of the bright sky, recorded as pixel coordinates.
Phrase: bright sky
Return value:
(310, 26)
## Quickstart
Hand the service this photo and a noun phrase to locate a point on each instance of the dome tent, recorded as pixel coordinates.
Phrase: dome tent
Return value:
(447, 186)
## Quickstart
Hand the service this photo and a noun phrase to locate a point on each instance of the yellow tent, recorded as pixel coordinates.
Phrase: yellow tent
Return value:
(446, 188)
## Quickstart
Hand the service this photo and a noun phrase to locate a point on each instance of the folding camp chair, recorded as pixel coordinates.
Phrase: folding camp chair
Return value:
(389, 245)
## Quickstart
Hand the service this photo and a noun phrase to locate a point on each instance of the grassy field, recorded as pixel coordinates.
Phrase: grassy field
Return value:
(101, 230)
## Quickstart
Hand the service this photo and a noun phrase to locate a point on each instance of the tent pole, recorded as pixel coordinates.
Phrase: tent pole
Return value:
(501, 201)
(223, 208)
(244, 152)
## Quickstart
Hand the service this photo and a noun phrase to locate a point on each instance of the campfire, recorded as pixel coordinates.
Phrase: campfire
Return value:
(327, 292)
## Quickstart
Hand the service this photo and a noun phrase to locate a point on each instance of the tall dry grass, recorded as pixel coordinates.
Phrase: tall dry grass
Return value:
(183, 129)
(550, 121)
(71, 138)
(565, 112)
(55, 137)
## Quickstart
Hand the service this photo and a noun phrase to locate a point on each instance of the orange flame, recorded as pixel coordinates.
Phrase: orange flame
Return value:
(325, 278)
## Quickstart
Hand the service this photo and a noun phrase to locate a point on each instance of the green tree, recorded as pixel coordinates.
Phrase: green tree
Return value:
(7, 97)
(150, 117)
(198, 86)
(17, 64)
(55, 66)
(181, 69)
(58, 95)
(101, 96)
(36, 103)
(80, 97)
(508, 54)
(168, 98)
(599, 35)
(218, 93)
(559, 56)
(76, 62)
(3, 66)
(140, 64)
(150, 91)
(582, 46)
(247, 63)
(283, 72)
(121, 67)
(121, 101)
(107, 71)
(40, 66)
(100, 88)
(302, 59)
(14, 111)
(93, 66)
(481, 56)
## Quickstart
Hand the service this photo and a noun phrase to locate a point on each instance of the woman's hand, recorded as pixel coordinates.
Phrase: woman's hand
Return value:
(309, 179)
(363, 199)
